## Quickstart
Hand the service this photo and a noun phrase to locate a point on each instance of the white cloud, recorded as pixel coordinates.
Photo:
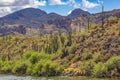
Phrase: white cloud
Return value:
(87, 4)
(73, 3)
(22, 2)
(35, 4)
(40, 3)
(77, 5)
(5, 11)
(9, 1)
(56, 2)
(6, 2)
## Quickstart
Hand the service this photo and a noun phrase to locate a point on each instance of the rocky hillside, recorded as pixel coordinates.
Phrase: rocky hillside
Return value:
(93, 52)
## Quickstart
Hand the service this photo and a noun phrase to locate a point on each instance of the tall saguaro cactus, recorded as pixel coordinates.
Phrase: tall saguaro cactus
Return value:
(88, 26)
(102, 14)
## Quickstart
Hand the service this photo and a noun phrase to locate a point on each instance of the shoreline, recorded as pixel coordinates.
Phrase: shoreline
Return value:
(25, 75)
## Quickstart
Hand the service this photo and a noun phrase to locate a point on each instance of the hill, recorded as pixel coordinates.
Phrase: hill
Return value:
(92, 52)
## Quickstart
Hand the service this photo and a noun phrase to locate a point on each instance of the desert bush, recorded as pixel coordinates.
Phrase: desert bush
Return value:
(99, 70)
(20, 67)
(87, 67)
(86, 56)
(113, 62)
(34, 58)
(6, 66)
(76, 58)
(113, 65)
(26, 55)
(70, 56)
(112, 18)
(97, 57)
(72, 48)
(46, 68)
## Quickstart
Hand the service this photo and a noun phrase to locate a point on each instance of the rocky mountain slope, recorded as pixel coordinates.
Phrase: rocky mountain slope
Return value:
(92, 52)
(42, 23)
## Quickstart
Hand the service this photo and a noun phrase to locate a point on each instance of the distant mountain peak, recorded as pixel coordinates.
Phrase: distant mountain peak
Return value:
(77, 9)
(28, 12)
(77, 12)
(23, 16)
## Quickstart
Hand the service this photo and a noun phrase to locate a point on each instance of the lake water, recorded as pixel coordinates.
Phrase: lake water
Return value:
(13, 77)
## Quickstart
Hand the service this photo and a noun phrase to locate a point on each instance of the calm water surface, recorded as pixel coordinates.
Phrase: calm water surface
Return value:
(13, 77)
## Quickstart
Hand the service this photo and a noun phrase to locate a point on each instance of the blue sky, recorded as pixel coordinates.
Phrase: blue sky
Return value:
(62, 7)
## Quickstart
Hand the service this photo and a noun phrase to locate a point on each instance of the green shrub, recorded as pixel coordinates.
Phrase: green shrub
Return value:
(72, 48)
(83, 33)
(97, 57)
(57, 54)
(20, 67)
(34, 58)
(76, 58)
(99, 70)
(27, 55)
(70, 56)
(30, 55)
(41, 64)
(6, 66)
(112, 18)
(113, 62)
(1, 62)
(29, 70)
(51, 69)
(87, 67)
(118, 25)
(37, 68)
(86, 56)
(113, 65)
(1, 65)
(46, 68)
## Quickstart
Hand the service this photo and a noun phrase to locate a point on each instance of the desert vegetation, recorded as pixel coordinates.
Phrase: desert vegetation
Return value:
(88, 53)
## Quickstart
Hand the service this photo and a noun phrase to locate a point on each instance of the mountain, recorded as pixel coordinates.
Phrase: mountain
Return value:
(35, 21)
(28, 17)
(43, 22)
(107, 14)
(25, 14)
(77, 12)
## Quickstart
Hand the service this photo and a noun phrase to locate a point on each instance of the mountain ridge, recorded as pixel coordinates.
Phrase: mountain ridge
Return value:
(51, 22)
